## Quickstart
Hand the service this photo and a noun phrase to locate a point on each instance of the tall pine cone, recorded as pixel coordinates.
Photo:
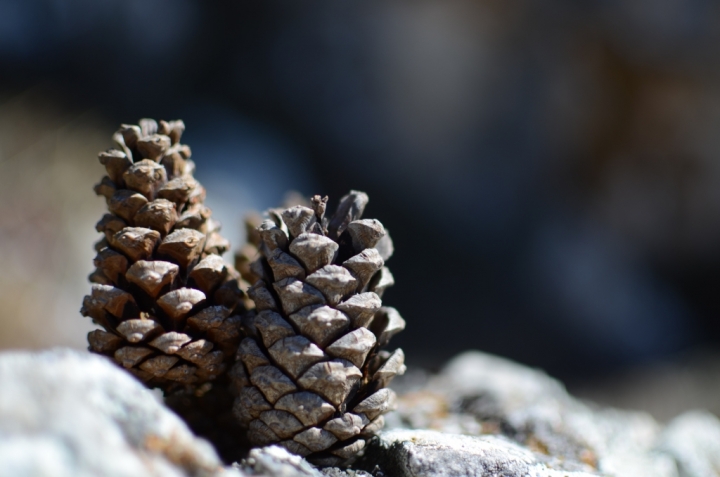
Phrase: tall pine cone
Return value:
(166, 299)
(313, 374)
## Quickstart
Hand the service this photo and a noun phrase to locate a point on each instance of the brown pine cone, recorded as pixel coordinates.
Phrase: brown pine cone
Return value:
(311, 375)
(167, 301)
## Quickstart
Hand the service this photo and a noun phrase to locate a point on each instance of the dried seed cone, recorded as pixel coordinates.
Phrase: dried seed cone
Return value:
(166, 300)
(310, 375)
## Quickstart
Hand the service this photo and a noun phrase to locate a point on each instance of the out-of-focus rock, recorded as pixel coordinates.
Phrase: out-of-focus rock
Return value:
(70, 413)
(478, 394)
(693, 440)
(48, 164)
(665, 389)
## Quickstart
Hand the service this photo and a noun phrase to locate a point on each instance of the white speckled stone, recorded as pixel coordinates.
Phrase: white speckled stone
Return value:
(71, 413)
(420, 453)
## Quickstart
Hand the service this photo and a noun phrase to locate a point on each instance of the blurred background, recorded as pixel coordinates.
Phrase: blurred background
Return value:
(549, 171)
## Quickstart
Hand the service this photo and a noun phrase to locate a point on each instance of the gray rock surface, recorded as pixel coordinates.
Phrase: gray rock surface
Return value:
(477, 394)
(69, 413)
(275, 461)
(693, 440)
(430, 453)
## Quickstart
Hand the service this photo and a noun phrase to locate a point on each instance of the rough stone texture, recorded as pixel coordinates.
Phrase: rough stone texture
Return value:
(480, 395)
(275, 461)
(431, 453)
(68, 413)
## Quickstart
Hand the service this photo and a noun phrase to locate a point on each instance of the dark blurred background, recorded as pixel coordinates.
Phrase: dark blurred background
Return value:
(549, 171)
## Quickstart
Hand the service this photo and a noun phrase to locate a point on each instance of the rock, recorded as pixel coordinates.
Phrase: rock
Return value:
(409, 453)
(275, 461)
(479, 394)
(335, 472)
(70, 413)
(693, 440)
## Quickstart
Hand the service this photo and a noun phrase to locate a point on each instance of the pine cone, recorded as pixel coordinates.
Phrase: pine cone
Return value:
(166, 299)
(246, 256)
(311, 377)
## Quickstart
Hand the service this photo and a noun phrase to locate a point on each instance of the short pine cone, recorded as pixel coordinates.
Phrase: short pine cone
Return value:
(248, 253)
(166, 299)
(311, 376)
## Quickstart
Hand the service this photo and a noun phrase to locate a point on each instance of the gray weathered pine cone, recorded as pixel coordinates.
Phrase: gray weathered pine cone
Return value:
(166, 300)
(310, 375)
